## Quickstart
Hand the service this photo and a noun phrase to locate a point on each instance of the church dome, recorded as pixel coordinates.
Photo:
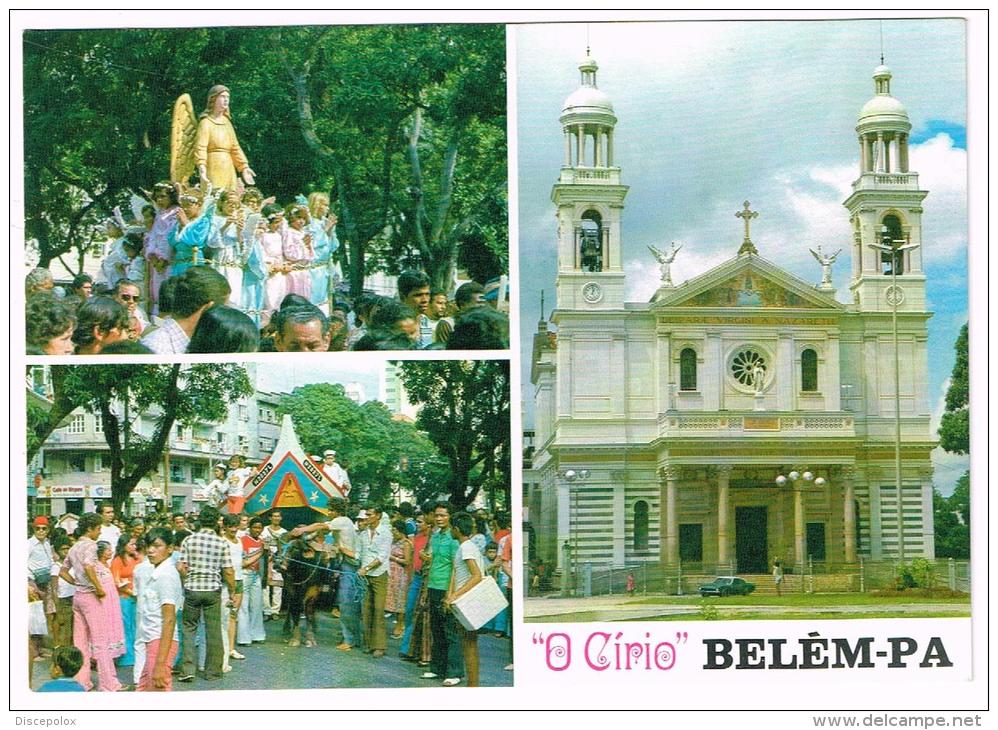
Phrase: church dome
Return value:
(588, 103)
(588, 98)
(883, 108)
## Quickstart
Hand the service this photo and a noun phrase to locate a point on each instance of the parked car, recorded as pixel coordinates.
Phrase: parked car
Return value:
(727, 585)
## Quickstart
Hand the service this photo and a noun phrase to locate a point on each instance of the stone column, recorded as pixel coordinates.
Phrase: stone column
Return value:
(881, 153)
(928, 526)
(799, 547)
(723, 477)
(671, 475)
(864, 154)
(564, 528)
(849, 512)
(582, 147)
(904, 153)
(787, 378)
(713, 373)
(609, 147)
(598, 148)
(568, 149)
(619, 518)
(663, 517)
(606, 249)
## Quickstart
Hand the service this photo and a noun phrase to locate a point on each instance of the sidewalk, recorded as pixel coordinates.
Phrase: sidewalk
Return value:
(624, 608)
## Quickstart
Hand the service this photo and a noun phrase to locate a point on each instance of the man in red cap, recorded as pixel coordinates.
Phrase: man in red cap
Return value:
(40, 561)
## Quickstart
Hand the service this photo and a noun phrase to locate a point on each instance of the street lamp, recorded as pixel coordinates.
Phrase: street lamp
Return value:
(568, 509)
(895, 296)
(795, 478)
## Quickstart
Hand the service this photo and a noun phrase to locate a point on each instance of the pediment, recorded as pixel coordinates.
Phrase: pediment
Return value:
(747, 281)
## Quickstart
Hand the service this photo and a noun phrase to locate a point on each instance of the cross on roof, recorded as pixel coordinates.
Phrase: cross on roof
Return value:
(747, 215)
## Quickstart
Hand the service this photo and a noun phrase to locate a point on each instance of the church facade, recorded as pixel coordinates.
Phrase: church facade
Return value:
(744, 415)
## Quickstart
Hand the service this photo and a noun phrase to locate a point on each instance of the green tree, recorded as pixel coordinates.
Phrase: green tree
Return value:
(414, 139)
(464, 409)
(384, 457)
(118, 393)
(403, 125)
(954, 428)
(951, 517)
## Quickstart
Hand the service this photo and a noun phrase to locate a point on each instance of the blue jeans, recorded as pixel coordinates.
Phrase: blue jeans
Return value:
(250, 625)
(128, 621)
(349, 599)
(410, 608)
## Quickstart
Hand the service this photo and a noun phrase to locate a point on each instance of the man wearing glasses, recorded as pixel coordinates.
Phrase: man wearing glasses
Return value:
(126, 293)
(40, 560)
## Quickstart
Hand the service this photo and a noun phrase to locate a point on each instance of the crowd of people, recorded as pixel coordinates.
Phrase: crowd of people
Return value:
(174, 597)
(224, 272)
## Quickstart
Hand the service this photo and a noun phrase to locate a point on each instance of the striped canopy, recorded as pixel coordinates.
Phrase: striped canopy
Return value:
(289, 478)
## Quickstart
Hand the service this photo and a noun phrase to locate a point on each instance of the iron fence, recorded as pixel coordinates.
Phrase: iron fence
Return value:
(812, 577)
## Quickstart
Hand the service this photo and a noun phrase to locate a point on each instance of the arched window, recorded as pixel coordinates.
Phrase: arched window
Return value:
(809, 371)
(688, 369)
(590, 234)
(640, 526)
(890, 230)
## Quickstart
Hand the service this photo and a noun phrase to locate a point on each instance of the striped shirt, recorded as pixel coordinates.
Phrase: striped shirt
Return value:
(206, 555)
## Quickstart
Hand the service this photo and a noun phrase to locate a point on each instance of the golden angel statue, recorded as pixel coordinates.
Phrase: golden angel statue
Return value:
(207, 144)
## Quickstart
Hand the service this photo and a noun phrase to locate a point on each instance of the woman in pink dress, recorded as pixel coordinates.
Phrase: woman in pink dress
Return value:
(298, 251)
(116, 624)
(399, 575)
(94, 633)
(159, 241)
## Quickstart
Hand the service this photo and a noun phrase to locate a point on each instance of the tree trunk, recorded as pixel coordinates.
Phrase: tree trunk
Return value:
(123, 483)
(62, 406)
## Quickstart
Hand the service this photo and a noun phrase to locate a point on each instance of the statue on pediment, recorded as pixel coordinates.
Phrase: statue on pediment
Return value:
(665, 259)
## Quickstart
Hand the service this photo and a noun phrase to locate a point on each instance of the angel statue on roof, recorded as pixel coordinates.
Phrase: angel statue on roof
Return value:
(207, 144)
(665, 259)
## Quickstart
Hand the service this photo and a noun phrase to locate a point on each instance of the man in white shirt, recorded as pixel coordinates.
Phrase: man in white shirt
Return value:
(271, 537)
(374, 546)
(335, 472)
(159, 594)
(143, 571)
(40, 561)
(109, 532)
(348, 594)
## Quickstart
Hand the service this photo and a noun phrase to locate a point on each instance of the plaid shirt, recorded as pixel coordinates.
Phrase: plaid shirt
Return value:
(206, 555)
(167, 339)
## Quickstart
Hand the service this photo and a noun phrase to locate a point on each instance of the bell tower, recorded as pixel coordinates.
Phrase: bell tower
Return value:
(886, 204)
(590, 200)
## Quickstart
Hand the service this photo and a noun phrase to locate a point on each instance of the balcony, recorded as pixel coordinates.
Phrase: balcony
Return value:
(756, 425)
(878, 180)
(589, 176)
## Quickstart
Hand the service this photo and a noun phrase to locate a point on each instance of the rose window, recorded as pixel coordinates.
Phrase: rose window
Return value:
(748, 367)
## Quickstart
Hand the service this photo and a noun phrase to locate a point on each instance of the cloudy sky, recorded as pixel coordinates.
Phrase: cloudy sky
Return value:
(712, 114)
(298, 371)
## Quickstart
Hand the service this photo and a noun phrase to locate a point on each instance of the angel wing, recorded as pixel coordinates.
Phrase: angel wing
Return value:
(183, 137)
(655, 252)
(817, 256)
(136, 203)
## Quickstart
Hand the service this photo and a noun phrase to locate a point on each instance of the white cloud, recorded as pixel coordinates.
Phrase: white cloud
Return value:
(942, 171)
(947, 469)
(940, 409)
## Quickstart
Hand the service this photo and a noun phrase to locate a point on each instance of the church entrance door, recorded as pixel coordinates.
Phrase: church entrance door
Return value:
(750, 539)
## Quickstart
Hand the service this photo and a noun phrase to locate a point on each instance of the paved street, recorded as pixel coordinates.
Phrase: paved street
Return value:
(621, 608)
(275, 665)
